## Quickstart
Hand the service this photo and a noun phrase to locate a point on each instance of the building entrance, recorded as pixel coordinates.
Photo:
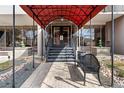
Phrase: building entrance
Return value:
(61, 35)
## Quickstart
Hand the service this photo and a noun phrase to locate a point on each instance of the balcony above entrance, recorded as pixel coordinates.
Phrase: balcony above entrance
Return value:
(78, 14)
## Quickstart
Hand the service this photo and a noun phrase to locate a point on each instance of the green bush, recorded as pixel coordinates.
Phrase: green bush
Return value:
(119, 66)
(5, 65)
(100, 43)
(22, 44)
(120, 73)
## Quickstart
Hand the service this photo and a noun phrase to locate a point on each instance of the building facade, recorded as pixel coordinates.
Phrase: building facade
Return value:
(101, 25)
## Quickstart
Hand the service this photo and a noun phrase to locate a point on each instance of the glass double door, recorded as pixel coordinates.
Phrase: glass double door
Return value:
(61, 35)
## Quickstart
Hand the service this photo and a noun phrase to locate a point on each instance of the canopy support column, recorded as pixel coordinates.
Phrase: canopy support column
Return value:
(42, 43)
(51, 33)
(90, 36)
(5, 38)
(39, 42)
(68, 37)
(101, 33)
(71, 34)
(79, 39)
(77, 44)
(83, 39)
(112, 44)
(33, 42)
(46, 42)
(13, 81)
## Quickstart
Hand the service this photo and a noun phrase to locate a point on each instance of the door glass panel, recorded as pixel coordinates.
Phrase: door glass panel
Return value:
(57, 35)
(66, 35)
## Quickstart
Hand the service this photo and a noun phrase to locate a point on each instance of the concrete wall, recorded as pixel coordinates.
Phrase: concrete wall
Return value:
(40, 40)
(108, 34)
(19, 52)
(119, 35)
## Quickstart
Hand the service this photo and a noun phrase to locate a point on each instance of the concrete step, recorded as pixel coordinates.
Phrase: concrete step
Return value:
(61, 60)
(60, 51)
(61, 56)
(52, 48)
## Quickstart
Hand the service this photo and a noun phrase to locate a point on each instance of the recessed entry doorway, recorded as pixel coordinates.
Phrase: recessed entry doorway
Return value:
(61, 35)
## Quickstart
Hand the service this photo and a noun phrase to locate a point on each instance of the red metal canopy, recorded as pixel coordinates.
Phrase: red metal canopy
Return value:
(79, 14)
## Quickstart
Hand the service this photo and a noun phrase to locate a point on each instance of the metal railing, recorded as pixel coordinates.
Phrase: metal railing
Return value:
(74, 45)
(47, 45)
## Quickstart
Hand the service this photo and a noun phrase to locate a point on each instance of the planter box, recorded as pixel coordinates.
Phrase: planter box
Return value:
(101, 51)
(19, 52)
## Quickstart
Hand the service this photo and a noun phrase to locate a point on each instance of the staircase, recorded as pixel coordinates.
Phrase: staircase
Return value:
(60, 54)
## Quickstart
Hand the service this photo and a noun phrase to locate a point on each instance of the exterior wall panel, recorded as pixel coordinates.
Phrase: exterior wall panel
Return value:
(119, 35)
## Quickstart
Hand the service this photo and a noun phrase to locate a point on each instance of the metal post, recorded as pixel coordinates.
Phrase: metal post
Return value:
(51, 31)
(79, 38)
(83, 39)
(45, 37)
(112, 45)
(71, 34)
(90, 36)
(42, 44)
(13, 83)
(68, 37)
(101, 33)
(22, 34)
(5, 38)
(33, 42)
(53, 35)
(77, 45)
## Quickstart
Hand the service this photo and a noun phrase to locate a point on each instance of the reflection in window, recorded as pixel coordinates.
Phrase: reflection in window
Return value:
(23, 36)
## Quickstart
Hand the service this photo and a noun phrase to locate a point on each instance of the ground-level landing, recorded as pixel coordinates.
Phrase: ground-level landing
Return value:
(59, 75)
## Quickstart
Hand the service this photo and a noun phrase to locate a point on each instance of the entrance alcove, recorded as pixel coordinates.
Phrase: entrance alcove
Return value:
(61, 32)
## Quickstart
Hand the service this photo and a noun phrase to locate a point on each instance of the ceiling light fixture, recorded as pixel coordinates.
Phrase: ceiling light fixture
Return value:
(62, 19)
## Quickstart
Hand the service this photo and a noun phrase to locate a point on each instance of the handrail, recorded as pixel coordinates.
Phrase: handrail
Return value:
(74, 47)
(47, 47)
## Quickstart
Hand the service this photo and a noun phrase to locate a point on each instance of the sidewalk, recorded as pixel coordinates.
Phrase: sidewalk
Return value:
(37, 77)
(66, 75)
(60, 75)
